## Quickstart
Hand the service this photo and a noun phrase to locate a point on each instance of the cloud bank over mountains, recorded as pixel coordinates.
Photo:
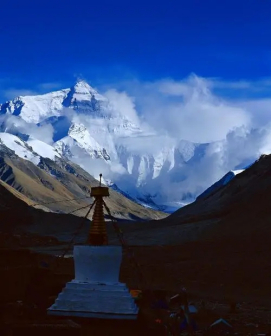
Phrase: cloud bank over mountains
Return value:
(177, 137)
(236, 128)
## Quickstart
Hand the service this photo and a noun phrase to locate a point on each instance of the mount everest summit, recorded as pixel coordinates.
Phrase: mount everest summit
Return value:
(87, 128)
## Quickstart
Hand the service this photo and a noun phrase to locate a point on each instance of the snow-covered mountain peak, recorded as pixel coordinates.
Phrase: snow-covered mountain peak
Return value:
(85, 99)
(82, 91)
(82, 87)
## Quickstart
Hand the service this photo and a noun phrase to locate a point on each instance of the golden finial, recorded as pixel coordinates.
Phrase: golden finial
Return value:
(98, 234)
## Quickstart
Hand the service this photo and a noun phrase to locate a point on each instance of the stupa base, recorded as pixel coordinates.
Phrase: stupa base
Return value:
(95, 300)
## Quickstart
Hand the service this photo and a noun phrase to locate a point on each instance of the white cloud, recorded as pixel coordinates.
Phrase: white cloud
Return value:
(14, 124)
(151, 144)
(241, 147)
(258, 109)
(191, 109)
(122, 104)
(187, 109)
(93, 166)
(259, 85)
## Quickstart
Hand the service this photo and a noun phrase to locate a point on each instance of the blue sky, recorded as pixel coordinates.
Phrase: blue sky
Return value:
(45, 42)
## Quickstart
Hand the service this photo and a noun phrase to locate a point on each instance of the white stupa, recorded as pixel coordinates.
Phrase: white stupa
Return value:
(96, 291)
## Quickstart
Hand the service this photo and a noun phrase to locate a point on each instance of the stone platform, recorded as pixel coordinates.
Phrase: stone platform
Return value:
(95, 300)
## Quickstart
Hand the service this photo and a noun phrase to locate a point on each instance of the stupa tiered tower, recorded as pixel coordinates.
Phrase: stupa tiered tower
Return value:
(95, 291)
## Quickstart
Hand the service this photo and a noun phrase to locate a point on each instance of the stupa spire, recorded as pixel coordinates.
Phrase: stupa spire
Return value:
(98, 234)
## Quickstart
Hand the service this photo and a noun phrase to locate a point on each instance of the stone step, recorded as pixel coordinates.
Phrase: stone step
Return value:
(93, 301)
(95, 293)
(93, 298)
(116, 308)
(95, 286)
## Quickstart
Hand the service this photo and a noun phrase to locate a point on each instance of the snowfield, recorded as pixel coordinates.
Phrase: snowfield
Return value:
(43, 149)
(19, 147)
